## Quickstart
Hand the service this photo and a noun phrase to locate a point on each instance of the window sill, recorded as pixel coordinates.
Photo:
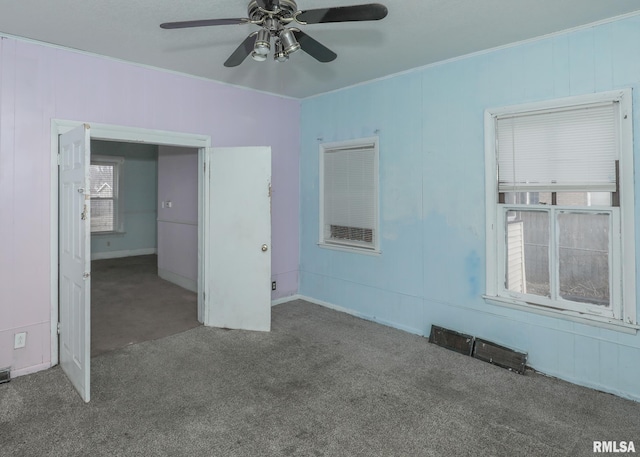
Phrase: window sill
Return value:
(108, 233)
(574, 316)
(353, 249)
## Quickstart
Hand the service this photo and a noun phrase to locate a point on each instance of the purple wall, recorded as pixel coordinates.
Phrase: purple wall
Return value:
(178, 224)
(39, 83)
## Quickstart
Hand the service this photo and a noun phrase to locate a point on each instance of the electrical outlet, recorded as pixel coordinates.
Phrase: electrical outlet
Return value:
(273, 285)
(20, 340)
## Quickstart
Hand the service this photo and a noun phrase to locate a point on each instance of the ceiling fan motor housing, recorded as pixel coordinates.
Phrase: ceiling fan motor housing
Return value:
(285, 10)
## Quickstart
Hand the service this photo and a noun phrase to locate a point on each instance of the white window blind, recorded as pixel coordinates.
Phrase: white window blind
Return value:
(105, 194)
(350, 195)
(564, 149)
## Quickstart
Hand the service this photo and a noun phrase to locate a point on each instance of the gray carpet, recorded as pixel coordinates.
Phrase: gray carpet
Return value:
(322, 383)
(131, 304)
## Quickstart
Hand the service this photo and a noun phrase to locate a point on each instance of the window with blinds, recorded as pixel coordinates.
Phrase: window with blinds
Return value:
(560, 205)
(105, 194)
(349, 194)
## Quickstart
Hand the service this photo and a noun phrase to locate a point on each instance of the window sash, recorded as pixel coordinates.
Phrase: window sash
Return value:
(113, 195)
(555, 301)
(97, 224)
(570, 148)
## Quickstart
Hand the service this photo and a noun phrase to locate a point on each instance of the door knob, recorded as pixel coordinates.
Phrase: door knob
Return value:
(264, 248)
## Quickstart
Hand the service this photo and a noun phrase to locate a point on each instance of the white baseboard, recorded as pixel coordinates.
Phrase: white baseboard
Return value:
(364, 316)
(178, 280)
(325, 304)
(280, 301)
(119, 254)
(315, 301)
(30, 369)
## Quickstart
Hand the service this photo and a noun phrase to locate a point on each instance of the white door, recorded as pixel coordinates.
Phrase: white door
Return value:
(238, 238)
(75, 257)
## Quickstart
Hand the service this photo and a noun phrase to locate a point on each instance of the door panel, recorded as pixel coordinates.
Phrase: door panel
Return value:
(238, 238)
(75, 257)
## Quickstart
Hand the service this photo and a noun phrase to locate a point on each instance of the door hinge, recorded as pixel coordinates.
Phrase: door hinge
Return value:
(205, 167)
(204, 296)
(58, 159)
(58, 328)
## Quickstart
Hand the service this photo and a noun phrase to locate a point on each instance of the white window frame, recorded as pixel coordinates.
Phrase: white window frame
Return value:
(117, 163)
(346, 245)
(622, 314)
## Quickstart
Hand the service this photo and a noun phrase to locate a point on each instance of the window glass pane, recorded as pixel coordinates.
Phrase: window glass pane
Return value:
(544, 198)
(572, 198)
(599, 198)
(583, 198)
(527, 198)
(562, 198)
(515, 198)
(527, 262)
(101, 181)
(584, 257)
(102, 215)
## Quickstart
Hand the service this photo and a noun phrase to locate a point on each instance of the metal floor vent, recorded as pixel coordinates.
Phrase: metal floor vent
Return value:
(5, 375)
(500, 355)
(450, 339)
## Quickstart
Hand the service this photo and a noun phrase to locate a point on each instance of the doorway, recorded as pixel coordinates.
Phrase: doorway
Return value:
(144, 242)
(233, 231)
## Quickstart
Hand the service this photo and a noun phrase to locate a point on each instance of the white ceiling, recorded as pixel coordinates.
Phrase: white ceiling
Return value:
(415, 33)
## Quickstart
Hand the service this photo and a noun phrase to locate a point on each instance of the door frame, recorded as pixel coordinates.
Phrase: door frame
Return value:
(129, 135)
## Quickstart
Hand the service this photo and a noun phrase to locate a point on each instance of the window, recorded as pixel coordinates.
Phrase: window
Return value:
(559, 199)
(349, 195)
(105, 194)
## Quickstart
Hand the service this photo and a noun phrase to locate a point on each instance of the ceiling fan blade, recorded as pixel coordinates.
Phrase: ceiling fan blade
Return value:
(269, 5)
(242, 51)
(368, 12)
(203, 23)
(312, 47)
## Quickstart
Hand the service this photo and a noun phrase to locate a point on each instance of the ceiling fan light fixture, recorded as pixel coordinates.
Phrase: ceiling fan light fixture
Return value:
(258, 57)
(262, 45)
(279, 53)
(289, 42)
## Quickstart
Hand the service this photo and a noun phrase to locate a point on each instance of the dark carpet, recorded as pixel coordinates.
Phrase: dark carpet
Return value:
(322, 383)
(131, 304)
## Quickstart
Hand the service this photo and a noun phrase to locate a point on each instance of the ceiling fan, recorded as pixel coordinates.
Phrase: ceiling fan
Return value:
(274, 16)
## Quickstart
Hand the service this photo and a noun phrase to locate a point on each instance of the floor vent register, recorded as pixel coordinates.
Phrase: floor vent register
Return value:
(479, 348)
(5, 375)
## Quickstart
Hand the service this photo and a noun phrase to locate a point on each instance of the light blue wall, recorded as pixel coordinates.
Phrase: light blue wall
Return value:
(140, 191)
(431, 129)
